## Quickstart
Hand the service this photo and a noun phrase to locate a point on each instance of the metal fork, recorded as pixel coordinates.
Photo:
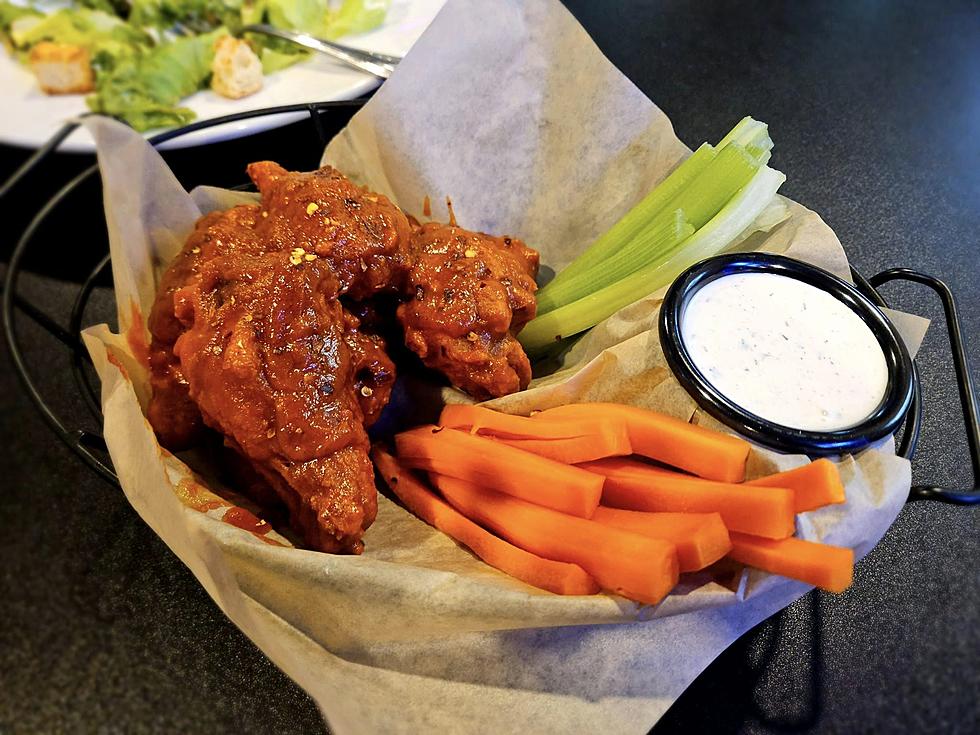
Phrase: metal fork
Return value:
(380, 65)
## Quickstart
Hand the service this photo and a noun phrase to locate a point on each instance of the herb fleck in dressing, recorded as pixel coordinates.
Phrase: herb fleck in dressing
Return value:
(785, 351)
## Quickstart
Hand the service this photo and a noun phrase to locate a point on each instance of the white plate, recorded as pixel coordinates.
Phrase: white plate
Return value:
(31, 117)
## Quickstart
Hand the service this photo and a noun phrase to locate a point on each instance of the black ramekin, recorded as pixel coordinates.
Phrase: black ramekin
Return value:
(884, 420)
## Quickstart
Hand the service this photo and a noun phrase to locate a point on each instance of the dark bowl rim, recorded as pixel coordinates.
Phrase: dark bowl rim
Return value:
(884, 420)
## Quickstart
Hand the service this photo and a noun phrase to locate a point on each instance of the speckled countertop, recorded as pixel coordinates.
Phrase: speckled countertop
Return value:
(875, 110)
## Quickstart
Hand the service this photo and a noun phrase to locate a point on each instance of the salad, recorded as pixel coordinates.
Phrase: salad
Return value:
(137, 59)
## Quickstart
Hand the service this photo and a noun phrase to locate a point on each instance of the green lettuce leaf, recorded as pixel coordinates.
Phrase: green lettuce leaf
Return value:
(310, 16)
(355, 16)
(274, 60)
(10, 12)
(78, 26)
(196, 15)
(298, 15)
(253, 11)
(317, 18)
(10, 17)
(276, 53)
(145, 93)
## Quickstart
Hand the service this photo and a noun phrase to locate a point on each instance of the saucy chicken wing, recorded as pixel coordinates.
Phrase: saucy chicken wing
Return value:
(172, 413)
(220, 357)
(469, 294)
(266, 356)
(362, 234)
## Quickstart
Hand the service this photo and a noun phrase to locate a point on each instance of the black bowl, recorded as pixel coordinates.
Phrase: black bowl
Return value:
(884, 420)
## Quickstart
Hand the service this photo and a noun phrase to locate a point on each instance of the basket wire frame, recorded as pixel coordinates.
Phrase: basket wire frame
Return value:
(91, 448)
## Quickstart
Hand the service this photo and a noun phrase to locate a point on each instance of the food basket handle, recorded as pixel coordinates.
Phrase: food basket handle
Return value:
(964, 383)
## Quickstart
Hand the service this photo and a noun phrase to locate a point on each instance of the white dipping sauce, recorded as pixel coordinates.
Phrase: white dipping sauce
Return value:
(785, 351)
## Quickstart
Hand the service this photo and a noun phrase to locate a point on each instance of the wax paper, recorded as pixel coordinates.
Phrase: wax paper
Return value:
(510, 109)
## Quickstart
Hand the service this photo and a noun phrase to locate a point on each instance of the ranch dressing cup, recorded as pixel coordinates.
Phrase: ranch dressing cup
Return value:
(785, 353)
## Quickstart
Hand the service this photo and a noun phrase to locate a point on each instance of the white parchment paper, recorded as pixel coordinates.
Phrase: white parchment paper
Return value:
(510, 109)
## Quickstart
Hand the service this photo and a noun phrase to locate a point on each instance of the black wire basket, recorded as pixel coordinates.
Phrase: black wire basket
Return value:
(90, 446)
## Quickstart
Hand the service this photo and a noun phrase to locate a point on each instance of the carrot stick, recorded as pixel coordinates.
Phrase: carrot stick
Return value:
(509, 470)
(554, 576)
(763, 511)
(610, 439)
(830, 568)
(479, 420)
(705, 453)
(563, 441)
(701, 538)
(815, 485)
(641, 568)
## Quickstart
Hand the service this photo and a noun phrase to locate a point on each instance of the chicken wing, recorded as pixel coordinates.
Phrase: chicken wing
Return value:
(362, 234)
(173, 415)
(263, 258)
(470, 293)
(266, 356)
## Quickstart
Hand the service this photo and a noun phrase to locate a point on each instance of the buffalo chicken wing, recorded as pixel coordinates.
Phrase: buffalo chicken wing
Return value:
(469, 294)
(267, 359)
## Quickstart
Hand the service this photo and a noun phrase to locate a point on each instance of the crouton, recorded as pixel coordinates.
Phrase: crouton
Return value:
(62, 68)
(236, 70)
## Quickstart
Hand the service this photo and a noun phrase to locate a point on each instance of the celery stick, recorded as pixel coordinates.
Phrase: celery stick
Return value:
(739, 215)
(637, 218)
(753, 136)
(733, 219)
(703, 197)
(700, 200)
(664, 233)
(749, 133)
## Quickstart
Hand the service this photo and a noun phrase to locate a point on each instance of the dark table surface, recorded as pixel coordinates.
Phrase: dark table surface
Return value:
(875, 110)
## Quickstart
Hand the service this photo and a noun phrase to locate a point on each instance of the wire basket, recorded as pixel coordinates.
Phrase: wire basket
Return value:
(90, 446)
